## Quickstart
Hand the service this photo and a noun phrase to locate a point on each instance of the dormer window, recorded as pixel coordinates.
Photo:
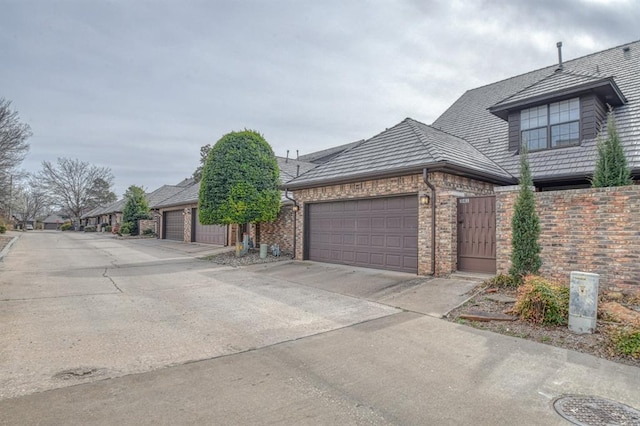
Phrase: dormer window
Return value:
(551, 126)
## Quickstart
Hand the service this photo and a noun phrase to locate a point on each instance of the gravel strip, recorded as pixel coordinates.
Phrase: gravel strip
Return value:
(251, 258)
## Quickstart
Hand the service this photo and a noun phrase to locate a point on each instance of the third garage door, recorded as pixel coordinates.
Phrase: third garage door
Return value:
(377, 233)
(210, 234)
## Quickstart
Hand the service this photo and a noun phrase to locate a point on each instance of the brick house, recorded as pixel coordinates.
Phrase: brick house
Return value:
(422, 199)
(177, 216)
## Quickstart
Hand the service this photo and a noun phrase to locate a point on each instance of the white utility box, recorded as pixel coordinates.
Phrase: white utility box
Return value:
(583, 302)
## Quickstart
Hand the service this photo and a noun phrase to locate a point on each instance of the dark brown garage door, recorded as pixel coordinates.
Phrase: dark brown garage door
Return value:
(210, 234)
(477, 234)
(174, 225)
(375, 233)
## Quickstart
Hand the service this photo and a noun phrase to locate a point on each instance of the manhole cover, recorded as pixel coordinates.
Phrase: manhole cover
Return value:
(595, 411)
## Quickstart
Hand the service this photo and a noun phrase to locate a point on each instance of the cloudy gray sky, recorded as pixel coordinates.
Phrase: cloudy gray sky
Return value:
(140, 86)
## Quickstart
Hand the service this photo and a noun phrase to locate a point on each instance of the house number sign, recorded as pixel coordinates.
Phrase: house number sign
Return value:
(463, 201)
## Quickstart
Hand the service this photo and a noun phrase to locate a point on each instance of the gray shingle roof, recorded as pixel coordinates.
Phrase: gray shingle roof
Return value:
(163, 193)
(325, 155)
(289, 168)
(190, 194)
(408, 146)
(558, 80)
(469, 117)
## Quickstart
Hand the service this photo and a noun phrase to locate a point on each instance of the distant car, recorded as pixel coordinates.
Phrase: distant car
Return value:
(28, 227)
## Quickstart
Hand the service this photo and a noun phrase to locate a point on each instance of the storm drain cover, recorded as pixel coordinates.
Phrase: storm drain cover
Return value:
(595, 411)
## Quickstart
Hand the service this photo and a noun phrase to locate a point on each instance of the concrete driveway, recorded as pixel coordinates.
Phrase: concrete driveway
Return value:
(184, 341)
(79, 307)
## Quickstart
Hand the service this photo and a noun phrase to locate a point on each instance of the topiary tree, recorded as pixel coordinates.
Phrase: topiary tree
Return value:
(135, 208)
(525, 226)
(611, 165)
(240, 181)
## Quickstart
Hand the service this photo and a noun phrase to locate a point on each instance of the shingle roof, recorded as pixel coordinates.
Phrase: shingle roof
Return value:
(53, 218)
(469, 117)
(407, 146)
(325, 155)
(557, 80)
(153, 198)
(190, 194)
(163, 193)
(290, 169)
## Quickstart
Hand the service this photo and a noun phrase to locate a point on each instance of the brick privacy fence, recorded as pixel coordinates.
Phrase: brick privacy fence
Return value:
(279, 232)
(144, 224)
(589, 230)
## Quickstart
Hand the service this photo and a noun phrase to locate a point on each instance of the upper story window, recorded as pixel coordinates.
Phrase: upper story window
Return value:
(551, 126)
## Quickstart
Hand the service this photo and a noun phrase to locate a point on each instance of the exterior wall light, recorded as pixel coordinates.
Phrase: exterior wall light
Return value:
(425, 199)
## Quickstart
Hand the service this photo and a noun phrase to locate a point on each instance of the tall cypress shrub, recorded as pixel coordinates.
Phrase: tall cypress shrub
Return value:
(525, 226)
(611, 165)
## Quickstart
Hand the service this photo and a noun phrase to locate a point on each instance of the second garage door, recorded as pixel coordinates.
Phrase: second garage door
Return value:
(174, 225)
(377, 233)
(210, 234)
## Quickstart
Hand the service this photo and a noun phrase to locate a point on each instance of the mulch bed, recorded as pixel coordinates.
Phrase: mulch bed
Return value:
(498, 300)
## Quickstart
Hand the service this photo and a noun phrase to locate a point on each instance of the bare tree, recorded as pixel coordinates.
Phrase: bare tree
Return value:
(13, 148)
(30, 202)
(74, 185)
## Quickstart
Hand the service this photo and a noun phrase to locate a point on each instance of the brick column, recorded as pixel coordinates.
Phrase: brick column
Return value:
(187, 225)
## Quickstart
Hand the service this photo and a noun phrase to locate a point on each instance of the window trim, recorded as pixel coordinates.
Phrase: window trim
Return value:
(548, 126)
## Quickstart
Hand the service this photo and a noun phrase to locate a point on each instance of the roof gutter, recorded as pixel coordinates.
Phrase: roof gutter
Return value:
(296, 207)
(425, 178)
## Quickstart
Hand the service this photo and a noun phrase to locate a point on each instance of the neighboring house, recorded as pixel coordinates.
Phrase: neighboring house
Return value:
(419, 198)
(21, 222)
(110, 215)
(179, 221)
(53, 222)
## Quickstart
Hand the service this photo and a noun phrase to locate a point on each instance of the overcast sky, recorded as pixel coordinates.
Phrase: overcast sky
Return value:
(140, 86)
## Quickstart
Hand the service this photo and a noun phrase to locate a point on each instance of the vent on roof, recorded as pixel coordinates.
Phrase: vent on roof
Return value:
(626, 52)
(559, 46)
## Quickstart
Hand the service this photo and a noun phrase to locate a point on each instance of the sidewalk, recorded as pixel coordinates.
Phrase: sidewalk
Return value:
(401, 369)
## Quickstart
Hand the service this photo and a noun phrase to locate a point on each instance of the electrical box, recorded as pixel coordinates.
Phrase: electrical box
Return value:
(583, 302)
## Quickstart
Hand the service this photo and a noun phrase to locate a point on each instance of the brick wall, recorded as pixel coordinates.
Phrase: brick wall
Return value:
(144, 224)
(279, 232)
(590, 230)
(448, 189)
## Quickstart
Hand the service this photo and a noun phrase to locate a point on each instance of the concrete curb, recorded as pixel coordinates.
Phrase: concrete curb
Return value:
(5, 250)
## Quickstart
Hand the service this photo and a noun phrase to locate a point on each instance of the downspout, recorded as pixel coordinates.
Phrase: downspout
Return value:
(295, 218)
(425, 178)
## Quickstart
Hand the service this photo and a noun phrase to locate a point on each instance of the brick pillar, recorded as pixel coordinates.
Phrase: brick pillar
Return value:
(187, 225)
